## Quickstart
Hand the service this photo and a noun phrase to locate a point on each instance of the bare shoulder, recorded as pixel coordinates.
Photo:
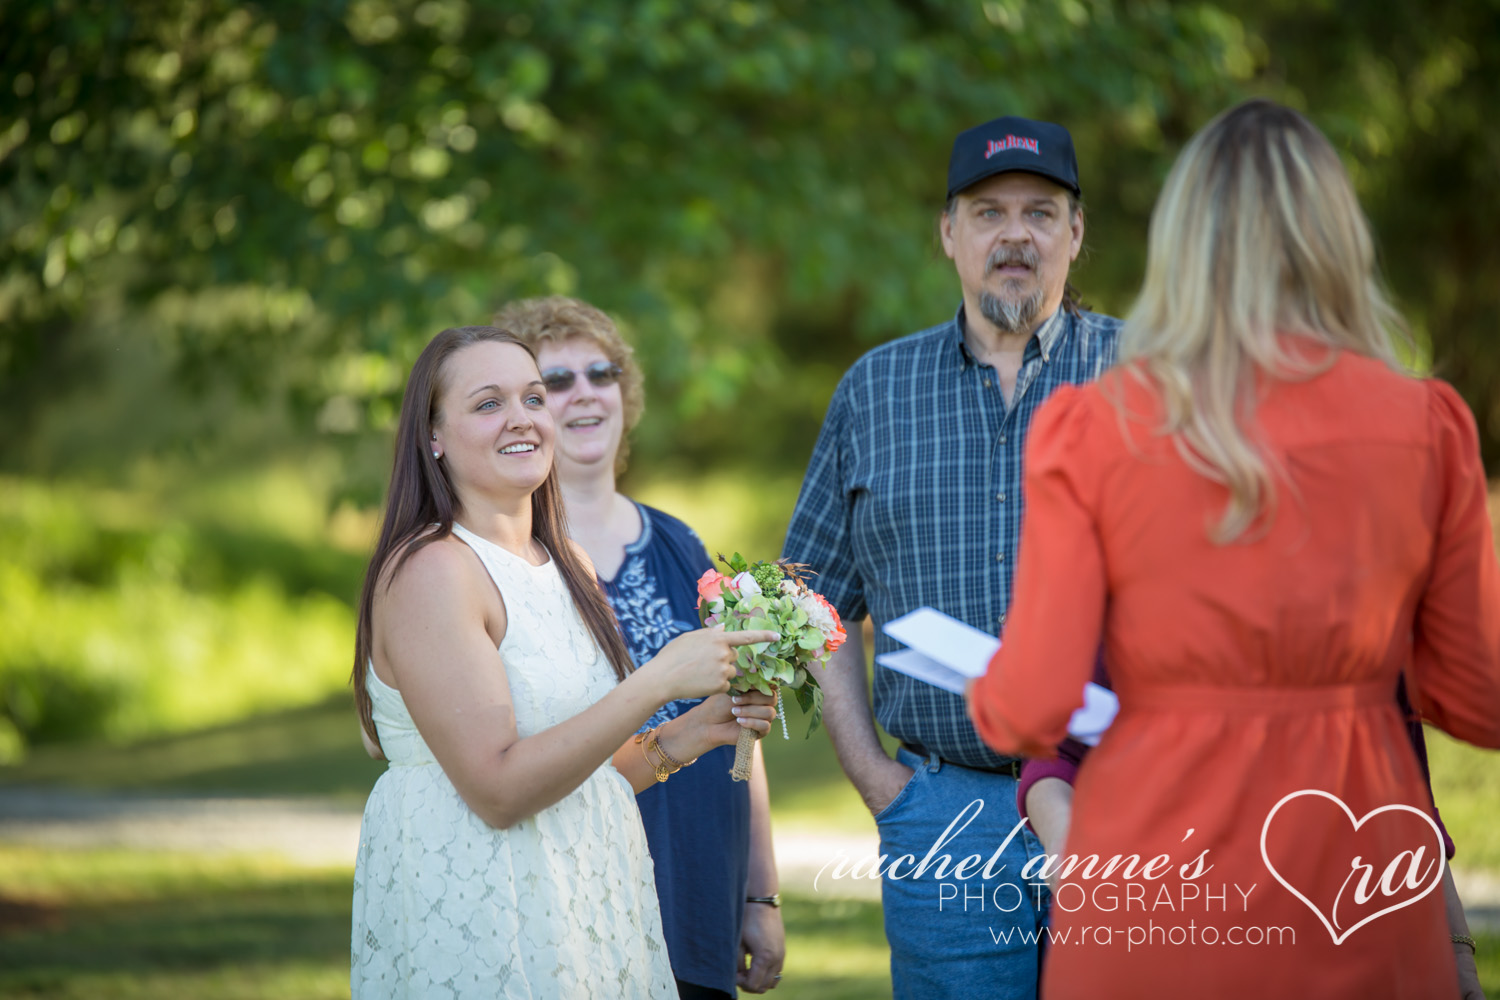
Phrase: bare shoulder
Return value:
(441, 585)
(445, 570)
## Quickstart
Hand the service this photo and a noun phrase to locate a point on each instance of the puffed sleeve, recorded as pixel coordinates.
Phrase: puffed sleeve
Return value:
(1022, 704)
(1456, 635)
(819, 532)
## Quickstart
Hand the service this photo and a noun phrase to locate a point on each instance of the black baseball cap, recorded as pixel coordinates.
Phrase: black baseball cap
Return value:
(1012, 143)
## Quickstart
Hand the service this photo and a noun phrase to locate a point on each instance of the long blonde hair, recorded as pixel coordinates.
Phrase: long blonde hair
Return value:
(1257, 232)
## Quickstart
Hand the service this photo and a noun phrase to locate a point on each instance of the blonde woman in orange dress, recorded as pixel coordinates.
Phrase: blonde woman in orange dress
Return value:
(1265, 520)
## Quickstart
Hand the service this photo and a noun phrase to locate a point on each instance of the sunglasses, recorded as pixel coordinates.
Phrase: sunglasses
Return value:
(600, 373)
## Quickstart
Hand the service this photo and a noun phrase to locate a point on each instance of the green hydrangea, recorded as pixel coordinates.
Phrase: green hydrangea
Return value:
(768, 576)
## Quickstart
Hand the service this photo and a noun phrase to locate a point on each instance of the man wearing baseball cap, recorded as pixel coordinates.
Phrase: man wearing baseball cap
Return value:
(913, 498)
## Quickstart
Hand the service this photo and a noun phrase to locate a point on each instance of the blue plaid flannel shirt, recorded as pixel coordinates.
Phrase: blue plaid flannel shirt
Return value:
(913, 497)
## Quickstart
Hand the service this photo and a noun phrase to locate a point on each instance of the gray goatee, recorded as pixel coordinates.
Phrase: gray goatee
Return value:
(1012, 315)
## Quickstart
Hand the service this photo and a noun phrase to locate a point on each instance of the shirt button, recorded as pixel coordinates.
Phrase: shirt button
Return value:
(1000, 497)
(1003, 438)
(1000, 620)
(987, 383)
(999, 557)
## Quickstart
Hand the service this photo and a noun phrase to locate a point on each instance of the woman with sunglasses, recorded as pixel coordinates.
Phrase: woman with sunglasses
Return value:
(501, 854)
(710, 837)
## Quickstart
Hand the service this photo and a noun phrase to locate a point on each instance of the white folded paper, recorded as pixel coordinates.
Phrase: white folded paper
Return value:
(947, 653)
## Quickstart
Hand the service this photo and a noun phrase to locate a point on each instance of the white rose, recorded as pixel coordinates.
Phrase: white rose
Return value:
(746, 585)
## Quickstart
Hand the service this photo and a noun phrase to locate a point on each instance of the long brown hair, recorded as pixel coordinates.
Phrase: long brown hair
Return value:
(421, 498)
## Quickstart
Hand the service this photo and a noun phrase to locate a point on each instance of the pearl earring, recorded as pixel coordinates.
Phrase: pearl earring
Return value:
(437, 454)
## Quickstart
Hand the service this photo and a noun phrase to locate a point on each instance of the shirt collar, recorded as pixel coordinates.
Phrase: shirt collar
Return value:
(1046, 335)
(1050, 330)
(965, 359)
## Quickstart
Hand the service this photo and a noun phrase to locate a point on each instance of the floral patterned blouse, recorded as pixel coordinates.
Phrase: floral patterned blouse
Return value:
(698, 822)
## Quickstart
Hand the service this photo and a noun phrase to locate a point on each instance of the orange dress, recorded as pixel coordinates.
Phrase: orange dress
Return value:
(1249, 672)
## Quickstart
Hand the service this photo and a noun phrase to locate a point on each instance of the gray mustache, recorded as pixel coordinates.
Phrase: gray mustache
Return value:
(1001, 256)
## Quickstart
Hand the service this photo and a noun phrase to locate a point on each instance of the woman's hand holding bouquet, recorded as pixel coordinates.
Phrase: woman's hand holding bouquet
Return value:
(774, 596)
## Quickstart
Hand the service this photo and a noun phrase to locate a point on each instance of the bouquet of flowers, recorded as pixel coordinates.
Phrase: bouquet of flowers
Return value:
(774, 596)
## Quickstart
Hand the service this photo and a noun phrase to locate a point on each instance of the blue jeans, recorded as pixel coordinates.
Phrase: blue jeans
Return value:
(959, 933)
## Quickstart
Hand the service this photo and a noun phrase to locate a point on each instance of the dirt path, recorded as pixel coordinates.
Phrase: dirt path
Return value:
(303, 830)
(317, 834)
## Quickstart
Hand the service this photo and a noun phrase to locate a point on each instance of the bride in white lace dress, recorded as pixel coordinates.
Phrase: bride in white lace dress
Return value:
(502, 853)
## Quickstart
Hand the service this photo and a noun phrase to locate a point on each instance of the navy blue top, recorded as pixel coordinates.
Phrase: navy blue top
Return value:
(697, 822)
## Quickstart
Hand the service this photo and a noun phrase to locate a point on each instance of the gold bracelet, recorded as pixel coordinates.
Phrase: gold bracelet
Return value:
(656, 741)
(642, 739)
(648, 742)
(1466, 939)
(666, 766)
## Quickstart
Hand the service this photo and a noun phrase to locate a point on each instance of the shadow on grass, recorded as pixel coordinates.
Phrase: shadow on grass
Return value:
(123, 924)
(154, 925)
(119, 925)
(312, 751)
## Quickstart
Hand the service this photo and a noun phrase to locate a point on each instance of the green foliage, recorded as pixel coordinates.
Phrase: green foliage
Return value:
(174, 605)
(810, 698)
(768, 577)
(277, 205)
(226, 230)
(117, 623)
(763, 666)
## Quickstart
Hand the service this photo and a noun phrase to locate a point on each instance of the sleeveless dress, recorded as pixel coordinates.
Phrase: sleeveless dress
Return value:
(563, 903)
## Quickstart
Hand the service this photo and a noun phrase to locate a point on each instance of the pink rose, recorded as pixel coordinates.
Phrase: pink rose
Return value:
(711, 586)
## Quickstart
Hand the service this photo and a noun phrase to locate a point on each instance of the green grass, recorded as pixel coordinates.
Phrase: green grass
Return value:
(168, 639)
(808, 789)
(316, 751)
(835, 950)
(1466, 787)
(102, 925)
(107, 924)
(110, 925)
(311, 751)
(127, 924)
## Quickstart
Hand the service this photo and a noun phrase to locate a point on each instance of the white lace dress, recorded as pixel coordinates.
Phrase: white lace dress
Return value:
(562, 904)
